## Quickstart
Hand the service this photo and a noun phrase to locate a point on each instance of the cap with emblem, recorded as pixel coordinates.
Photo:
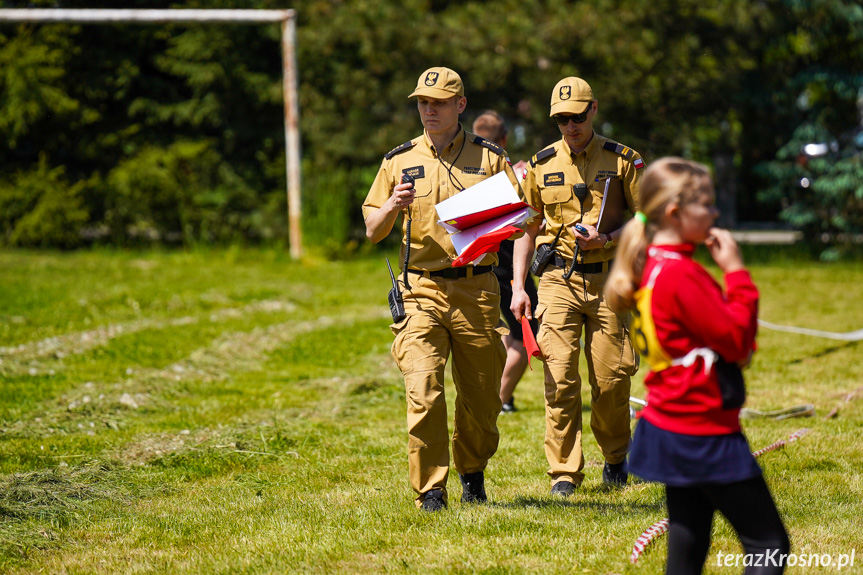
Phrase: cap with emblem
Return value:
(571, 96)
(440, 83)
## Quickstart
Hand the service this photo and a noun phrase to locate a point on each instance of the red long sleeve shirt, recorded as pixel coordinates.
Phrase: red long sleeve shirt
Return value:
(689, 310)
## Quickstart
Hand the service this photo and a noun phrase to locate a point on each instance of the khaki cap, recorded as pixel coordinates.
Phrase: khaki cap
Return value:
(571, 96)
(440, 83)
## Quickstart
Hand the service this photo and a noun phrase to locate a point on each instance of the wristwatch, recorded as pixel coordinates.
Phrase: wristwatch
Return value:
(609, 241)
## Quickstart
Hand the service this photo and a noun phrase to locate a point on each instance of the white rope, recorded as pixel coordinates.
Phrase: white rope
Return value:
(847, 336)
(804, 410)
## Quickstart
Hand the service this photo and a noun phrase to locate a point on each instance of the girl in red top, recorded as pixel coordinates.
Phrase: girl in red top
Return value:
(695, 337)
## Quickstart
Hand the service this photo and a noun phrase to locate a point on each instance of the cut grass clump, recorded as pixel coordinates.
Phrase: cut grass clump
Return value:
(36, 506)
(55, 495)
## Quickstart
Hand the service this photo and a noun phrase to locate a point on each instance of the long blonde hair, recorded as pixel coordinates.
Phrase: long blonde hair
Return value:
(666, 181)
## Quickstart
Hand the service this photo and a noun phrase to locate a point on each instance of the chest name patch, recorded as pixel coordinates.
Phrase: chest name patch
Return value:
(417, 172)
(473, 171)
(553, 179)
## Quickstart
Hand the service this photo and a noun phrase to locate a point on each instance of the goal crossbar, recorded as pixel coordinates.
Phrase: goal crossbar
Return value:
(96, 16)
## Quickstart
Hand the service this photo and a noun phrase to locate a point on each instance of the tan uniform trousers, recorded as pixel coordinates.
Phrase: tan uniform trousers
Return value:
(462, 317)
(564, 311)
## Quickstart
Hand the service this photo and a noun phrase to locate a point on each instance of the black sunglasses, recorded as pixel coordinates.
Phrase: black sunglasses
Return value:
(563, 120)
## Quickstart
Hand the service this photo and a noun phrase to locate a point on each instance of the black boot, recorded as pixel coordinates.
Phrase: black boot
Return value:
(473, 487)
(563, 488)
(615, 474)
(433, 501)
(509, 406)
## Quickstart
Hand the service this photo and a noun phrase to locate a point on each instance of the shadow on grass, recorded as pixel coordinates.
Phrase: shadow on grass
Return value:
(824, 352)
(557, 502)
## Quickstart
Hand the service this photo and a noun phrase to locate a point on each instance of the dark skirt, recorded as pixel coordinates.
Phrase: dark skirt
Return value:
(684, 460)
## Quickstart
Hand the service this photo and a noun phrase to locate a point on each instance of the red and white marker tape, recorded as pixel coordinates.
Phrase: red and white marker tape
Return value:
(782, 442)
(848, 397)
(659, 528)
(651, 533)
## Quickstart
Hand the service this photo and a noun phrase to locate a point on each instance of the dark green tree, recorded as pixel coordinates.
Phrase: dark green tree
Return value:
(816, 177)
(175, 130)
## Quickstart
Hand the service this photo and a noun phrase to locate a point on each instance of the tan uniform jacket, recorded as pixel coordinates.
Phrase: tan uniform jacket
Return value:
(468, 160)
(554, 171)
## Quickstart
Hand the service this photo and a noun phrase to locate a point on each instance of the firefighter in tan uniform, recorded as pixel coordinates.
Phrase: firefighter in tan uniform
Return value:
(572, 182)
(450, 310)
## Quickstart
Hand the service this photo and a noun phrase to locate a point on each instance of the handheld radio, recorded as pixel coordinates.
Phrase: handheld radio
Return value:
(397, 304)
(543, 255)
(583, 231)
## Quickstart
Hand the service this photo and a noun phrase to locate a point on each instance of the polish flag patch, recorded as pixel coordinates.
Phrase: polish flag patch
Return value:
(639, 163)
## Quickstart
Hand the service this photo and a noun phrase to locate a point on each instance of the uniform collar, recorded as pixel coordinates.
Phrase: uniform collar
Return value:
(591, 146)
(456, 143)
(686, 250)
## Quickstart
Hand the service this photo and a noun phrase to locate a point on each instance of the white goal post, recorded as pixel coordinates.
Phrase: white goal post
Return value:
(287, 20)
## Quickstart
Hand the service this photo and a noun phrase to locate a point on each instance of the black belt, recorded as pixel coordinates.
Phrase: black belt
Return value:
(595, 268)
(453, 273)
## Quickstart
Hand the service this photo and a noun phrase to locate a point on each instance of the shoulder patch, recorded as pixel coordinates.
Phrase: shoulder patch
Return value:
(479, 140)
(619, 149)
(541, 155)
(398, 149)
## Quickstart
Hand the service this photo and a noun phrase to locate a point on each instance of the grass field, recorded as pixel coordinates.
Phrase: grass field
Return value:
(235, 412)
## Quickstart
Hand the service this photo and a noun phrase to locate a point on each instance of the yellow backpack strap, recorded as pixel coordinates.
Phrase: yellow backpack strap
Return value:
(644, 336)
